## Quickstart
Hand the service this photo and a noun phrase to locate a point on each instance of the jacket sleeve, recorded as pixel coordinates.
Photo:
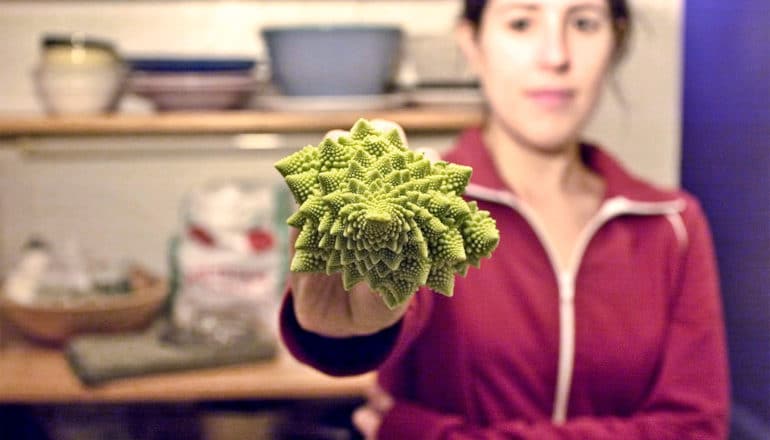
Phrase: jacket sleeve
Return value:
(353, 355)
(689, 399)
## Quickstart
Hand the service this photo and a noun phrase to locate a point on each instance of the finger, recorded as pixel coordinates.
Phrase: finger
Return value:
(336, 134)
(384, 125)
(429, 153)
(379, 399)
(367, 421)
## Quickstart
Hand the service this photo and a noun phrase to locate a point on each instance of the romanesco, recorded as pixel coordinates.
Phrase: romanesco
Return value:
(378, 212)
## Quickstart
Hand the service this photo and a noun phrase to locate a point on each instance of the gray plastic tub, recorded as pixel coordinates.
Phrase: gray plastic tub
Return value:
(333, 60)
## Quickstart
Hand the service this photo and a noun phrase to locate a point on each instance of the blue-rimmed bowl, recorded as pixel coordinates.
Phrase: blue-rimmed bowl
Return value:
(190, 64)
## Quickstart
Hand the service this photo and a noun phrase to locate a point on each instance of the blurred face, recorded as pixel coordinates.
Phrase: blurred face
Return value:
(541, 64)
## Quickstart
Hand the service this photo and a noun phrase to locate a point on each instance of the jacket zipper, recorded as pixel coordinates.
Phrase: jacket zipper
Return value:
(566, 278)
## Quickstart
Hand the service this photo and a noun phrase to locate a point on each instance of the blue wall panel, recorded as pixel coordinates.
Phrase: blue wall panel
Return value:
(726, 163)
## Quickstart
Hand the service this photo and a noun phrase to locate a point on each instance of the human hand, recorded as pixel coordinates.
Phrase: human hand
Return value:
(368, 417)
(322, 305)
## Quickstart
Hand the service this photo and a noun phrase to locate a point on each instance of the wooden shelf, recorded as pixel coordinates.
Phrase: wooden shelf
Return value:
(33, 374)
(423, 118)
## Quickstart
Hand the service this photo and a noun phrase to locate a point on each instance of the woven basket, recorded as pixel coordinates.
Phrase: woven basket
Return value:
(55, 323)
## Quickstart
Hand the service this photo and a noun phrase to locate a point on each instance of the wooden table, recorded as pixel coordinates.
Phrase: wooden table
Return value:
(35, 374)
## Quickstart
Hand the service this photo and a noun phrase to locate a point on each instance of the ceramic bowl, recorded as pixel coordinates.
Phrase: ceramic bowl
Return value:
(79, 90)
(194, 91)
(333, 60)
(77, 50)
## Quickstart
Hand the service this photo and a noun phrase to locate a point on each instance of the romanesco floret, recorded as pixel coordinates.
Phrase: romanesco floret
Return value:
(378, 212)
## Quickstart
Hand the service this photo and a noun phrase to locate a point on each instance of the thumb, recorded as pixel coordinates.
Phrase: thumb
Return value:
(386, 125)
(367, 421)
(336, 134)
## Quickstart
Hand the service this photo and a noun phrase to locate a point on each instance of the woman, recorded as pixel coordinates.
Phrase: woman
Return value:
(598, 316)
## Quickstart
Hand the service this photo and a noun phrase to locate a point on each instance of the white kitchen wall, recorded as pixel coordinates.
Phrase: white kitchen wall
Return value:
(186, 27)
(641, 120)
(126, 204)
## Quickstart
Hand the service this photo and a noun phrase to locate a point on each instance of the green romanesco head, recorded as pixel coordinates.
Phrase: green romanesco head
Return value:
(378, 212)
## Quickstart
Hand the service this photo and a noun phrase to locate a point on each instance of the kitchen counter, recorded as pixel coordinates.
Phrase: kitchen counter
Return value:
(36, 374)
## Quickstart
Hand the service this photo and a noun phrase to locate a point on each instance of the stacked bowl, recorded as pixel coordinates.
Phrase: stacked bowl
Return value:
(190, 84)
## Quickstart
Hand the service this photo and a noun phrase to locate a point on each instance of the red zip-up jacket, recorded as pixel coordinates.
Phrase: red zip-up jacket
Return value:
(627, 342)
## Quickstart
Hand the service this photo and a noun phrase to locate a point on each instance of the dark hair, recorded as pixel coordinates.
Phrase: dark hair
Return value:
(619, 10)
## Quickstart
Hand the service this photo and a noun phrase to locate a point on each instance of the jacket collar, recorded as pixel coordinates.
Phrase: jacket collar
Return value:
(470, 150)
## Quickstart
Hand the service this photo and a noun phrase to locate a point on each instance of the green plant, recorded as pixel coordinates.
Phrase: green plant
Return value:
(378, 212)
